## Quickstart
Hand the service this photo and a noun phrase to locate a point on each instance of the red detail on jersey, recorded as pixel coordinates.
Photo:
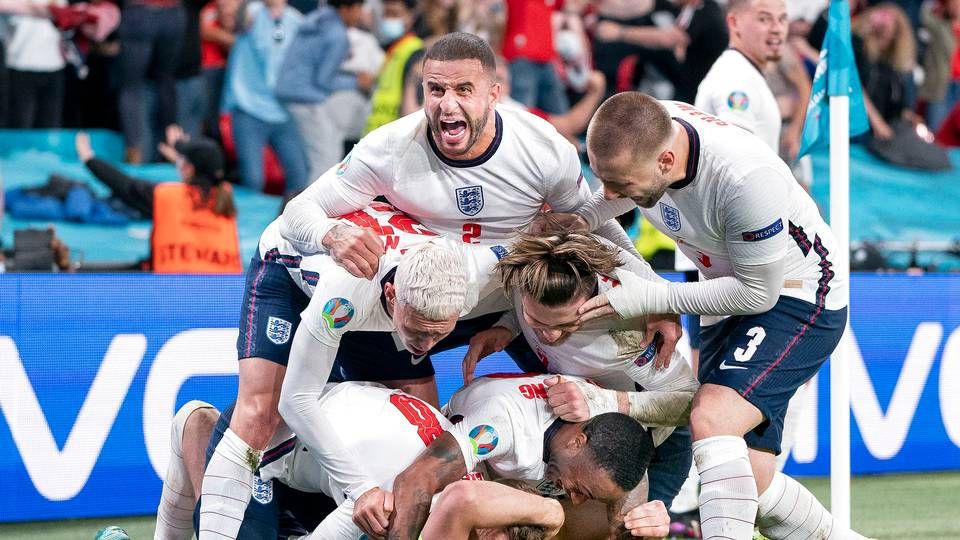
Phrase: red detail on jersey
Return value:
(409, 225)
(471, 231)
(365, 220)
(692, 111)
(544, 359)
(391, 242)
(533, 391)
(612, 281)
(473, 476)
(398, 220)
(704, 259)
(418, 414)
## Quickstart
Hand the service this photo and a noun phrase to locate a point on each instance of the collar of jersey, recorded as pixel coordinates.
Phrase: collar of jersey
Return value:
(548, 436)
(693, 156)
(479, 160)
(747, 58)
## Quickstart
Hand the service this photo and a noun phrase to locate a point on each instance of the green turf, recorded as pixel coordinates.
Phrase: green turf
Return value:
(888, 507)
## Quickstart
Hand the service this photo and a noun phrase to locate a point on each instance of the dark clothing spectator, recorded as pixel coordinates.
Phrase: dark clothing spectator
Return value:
(191, 90)
(36, 72)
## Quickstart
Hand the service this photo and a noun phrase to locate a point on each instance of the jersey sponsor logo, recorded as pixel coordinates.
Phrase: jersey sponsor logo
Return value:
(262, 490)
(738, 101)
(499, 251)
(470, 199)
(484, 439)
(764, 233)
(278, 330)
(671, 217)
(337, 312)
(344, 165)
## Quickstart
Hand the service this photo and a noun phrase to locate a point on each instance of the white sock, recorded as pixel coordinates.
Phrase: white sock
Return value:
(687, 500)
(227, 486)
(728, 492)
(177, 501)
(787, 510)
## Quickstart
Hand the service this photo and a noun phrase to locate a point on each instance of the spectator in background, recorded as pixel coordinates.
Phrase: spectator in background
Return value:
(218, 27)
(529, 48)
(151, 32)
(191, 91)
(681, 43)
(484, 18)
(35, 68)
(91, 88)
(886, 66)
(258, 117)
(194, 220)
(397, 37)
(322, 99)
(941, 60)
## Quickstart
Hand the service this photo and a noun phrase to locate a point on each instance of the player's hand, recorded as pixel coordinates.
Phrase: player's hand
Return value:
(355, 249)
(668, 327)
(484, 344)
(649, 520)
(555, 222)
(597, 307)
(372, 512)
(566, 399)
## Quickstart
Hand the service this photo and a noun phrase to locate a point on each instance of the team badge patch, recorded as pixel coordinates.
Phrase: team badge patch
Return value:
(262, 490)
(470, 199)
(278, 330)
(344, 165)
(337, 312)
(738, 101)
(499, 251)
(764, 233)
(484, 439)
(671, 217)
(647, 355)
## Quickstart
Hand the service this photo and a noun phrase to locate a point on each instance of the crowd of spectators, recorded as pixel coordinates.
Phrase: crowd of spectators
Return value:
(285, 86)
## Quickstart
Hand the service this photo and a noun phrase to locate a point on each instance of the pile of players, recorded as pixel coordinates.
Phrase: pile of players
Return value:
(337, 430)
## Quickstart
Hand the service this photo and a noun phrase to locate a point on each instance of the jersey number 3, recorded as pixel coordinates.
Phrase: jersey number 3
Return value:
(418, 414)
(757, 333)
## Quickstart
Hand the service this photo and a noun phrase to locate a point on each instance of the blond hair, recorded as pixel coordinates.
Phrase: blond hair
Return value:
(555, 268)
(901, 52)
(431, 280)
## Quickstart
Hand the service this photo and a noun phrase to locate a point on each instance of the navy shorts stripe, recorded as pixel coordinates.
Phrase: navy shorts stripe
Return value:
(252, 308)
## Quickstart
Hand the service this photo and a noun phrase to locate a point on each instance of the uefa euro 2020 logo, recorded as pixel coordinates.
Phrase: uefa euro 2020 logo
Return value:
(484, 439)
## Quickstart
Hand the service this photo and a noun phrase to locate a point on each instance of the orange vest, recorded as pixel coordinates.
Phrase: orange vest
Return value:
(191, 239)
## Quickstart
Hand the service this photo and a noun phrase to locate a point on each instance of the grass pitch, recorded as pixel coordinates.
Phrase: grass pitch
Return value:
(891, 507)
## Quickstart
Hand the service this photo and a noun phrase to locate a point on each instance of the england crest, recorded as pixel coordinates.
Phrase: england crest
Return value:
(470, 199)
(278, 330)
(671, 217)
(262, 490)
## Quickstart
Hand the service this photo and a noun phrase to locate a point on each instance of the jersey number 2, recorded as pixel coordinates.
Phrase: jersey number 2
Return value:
(757, 333)
(418, 414)
(471, 231)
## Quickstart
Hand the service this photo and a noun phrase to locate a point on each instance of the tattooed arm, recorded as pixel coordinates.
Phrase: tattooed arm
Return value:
(441, 465)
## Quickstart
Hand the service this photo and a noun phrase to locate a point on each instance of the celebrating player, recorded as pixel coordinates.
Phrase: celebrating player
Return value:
(769, 295)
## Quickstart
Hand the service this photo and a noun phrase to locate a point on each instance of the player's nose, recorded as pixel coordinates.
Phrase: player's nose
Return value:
(610, 195)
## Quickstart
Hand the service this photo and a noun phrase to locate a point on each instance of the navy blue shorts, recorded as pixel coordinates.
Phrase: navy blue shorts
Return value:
(270, 312)
(275, 510)
(767, 356)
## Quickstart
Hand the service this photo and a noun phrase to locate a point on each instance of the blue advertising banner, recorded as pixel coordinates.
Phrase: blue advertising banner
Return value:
(93, 367)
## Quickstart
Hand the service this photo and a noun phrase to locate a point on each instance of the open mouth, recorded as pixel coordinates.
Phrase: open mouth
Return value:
(453, 131)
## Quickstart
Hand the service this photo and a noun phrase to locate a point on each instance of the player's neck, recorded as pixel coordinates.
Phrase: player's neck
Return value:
(681, 149)
(757, 62)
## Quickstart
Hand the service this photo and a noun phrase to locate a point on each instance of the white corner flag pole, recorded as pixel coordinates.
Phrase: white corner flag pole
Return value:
(839, 361)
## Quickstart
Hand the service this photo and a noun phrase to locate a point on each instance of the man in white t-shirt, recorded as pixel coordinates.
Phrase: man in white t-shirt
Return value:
(549, 276)
(424, 284)
(770, 298)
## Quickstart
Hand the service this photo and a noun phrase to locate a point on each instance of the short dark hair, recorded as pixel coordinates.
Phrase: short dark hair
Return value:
(409, 4)
(620, 446)
(343, 3)
(463, 46)
(629, 122)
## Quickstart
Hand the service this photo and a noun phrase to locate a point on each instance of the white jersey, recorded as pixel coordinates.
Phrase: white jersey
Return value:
(342, 302)
(739, 201)
(736, 91)
(486, 200)
(609, 353)
(372, 434)
(504, 420)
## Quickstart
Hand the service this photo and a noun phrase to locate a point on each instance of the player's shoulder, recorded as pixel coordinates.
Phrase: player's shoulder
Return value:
(532, 130)
(395, 137)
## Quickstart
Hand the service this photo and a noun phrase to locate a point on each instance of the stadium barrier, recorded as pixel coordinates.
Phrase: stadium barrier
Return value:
(93, 367)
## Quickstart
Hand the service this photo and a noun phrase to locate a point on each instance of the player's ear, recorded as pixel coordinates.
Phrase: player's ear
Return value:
(665, 161)
(390, 292)
(495, 91)
(579, 441)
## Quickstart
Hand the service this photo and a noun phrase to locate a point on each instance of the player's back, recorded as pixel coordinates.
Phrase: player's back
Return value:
(373, 434)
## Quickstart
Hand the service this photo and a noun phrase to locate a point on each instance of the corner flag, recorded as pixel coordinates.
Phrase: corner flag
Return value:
(836, 75)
